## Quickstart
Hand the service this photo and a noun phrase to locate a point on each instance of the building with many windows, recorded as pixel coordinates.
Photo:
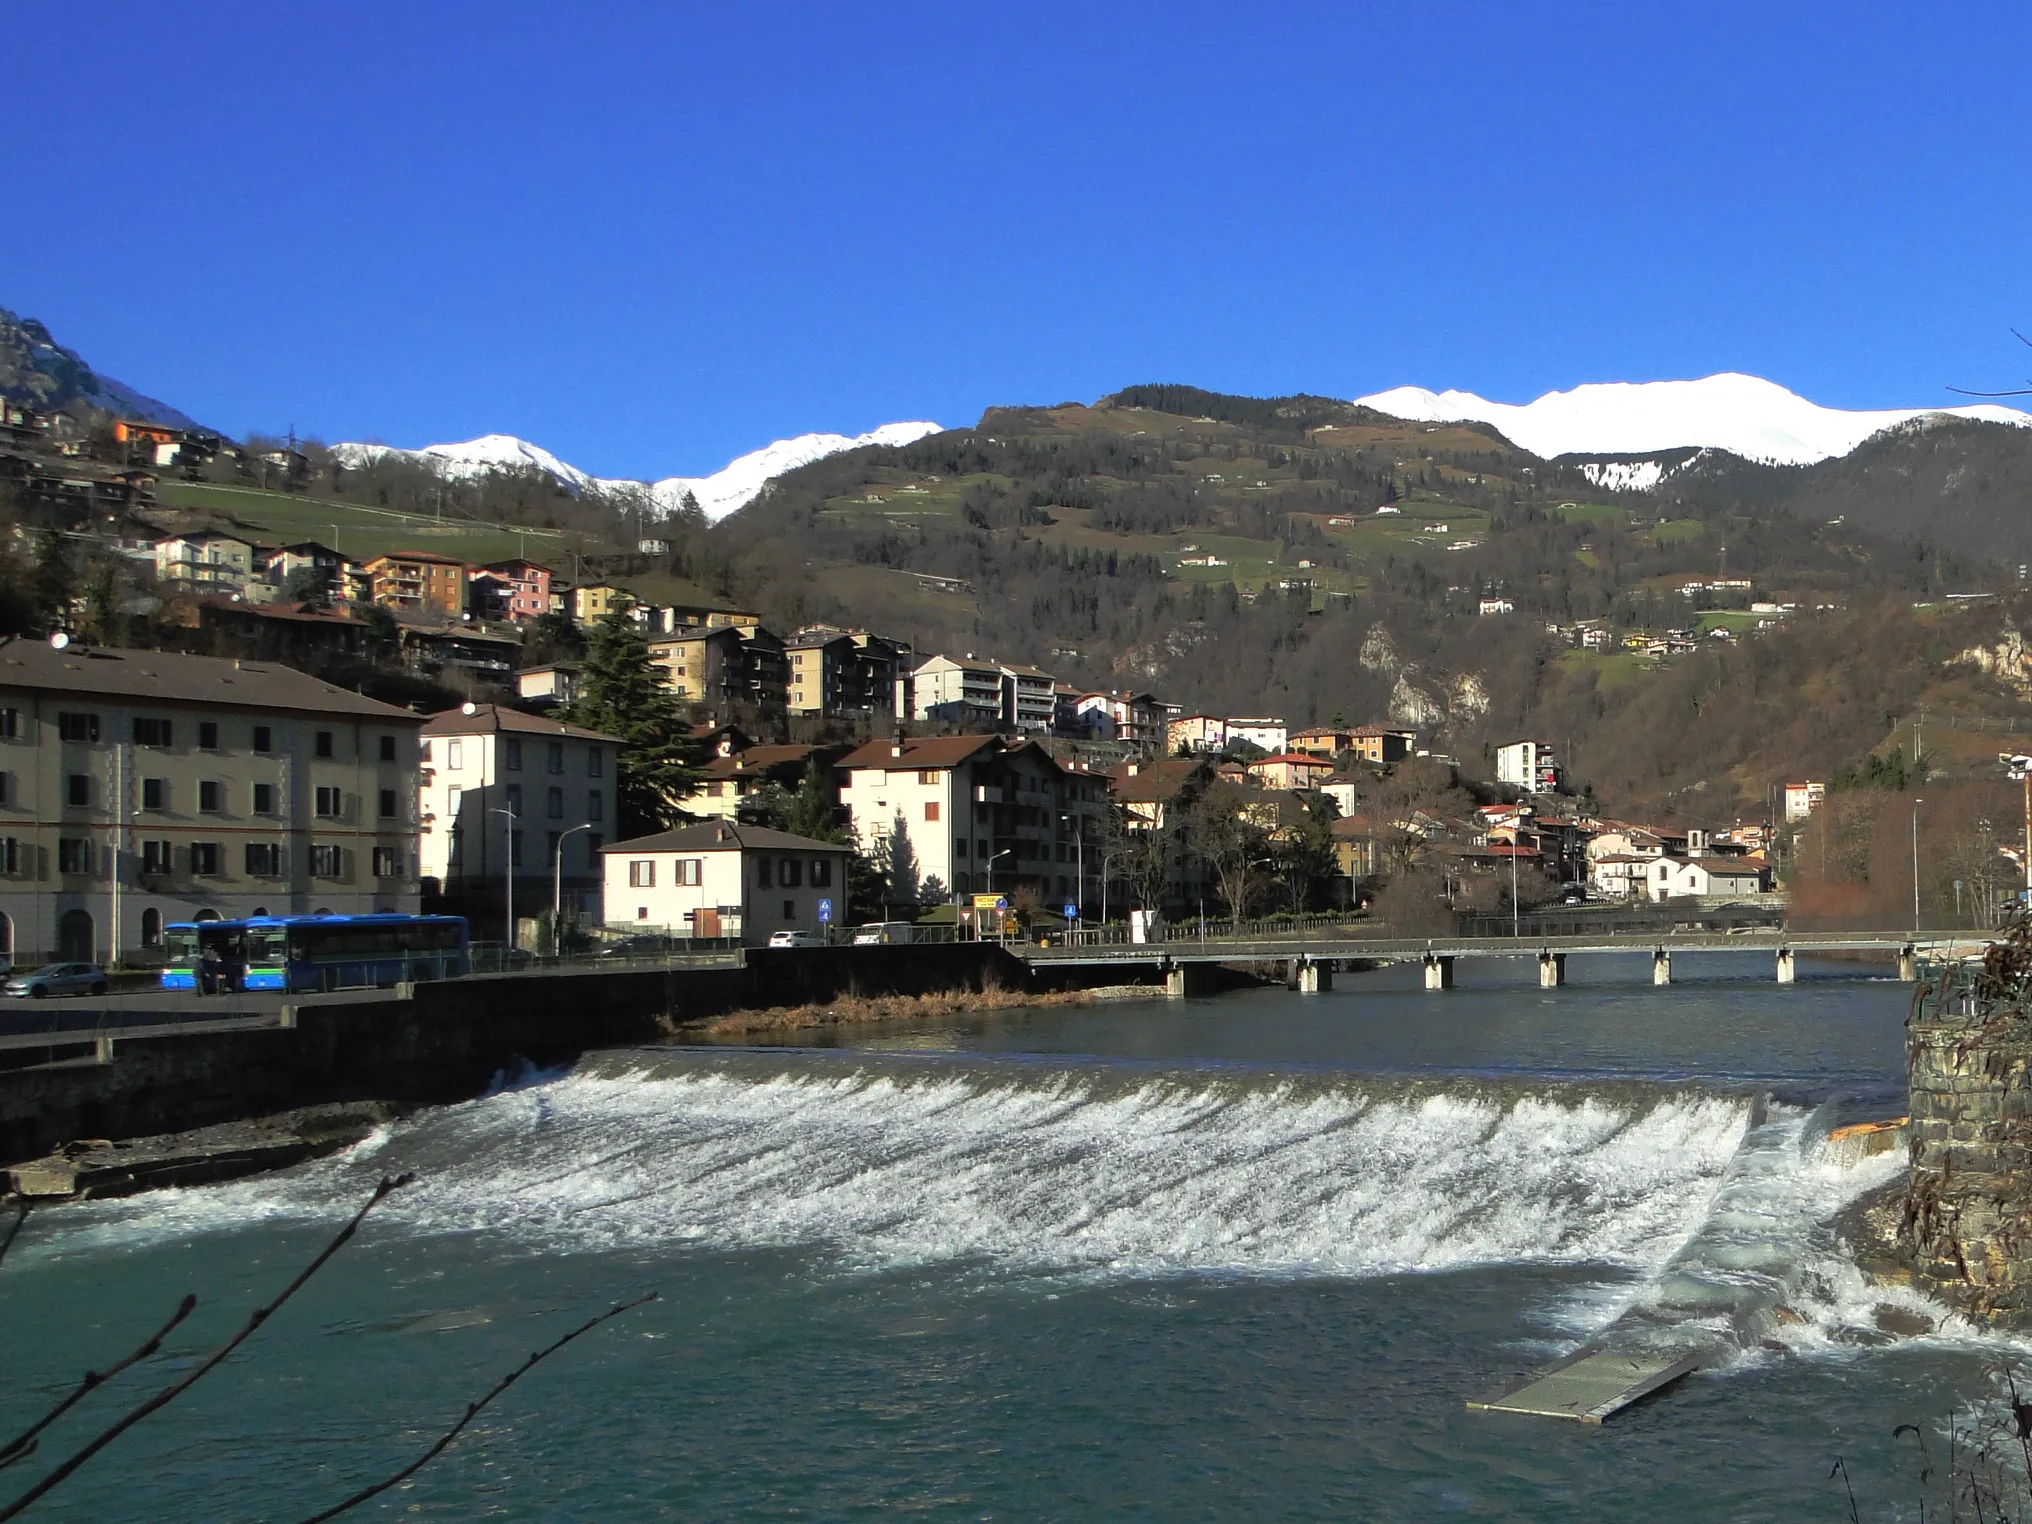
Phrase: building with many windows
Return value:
(503, 794)
(209, 561)
(978, 813)
(416, 581)
(141, 788)
(841, 674)
(1529, 765)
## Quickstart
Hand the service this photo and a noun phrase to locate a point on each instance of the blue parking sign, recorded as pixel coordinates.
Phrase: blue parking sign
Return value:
(825, 912)
(1072, 912)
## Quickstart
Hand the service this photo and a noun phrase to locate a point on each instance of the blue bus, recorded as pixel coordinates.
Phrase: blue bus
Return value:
(317, 952)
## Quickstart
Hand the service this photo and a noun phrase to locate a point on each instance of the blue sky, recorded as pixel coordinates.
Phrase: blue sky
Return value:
(652, 236)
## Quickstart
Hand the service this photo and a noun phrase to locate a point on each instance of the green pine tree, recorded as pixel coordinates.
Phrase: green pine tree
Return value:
(811, 811)
(619, 695)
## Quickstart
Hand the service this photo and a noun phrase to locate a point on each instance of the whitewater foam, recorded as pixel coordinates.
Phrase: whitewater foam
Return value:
(889, 1166)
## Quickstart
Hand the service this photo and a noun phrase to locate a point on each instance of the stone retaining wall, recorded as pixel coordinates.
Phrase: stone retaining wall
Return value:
(1968, 1205)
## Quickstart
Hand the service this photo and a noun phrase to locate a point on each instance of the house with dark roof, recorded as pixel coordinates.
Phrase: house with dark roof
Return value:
(506, 796)
(721, 879)
(145, 788)
(980, 814)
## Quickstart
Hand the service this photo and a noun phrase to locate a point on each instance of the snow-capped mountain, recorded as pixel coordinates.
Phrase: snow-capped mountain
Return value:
(731, 488)
(1756, 419)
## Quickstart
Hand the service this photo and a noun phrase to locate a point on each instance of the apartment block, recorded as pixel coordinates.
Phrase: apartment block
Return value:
(504, 795)
(141, 788)
(979, 813)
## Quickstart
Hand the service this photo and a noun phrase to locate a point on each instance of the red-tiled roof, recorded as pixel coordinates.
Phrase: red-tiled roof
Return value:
(920, 752)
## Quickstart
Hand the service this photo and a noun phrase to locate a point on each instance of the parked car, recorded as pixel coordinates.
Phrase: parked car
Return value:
(795, 939)
(1575, 895)
(58, 979)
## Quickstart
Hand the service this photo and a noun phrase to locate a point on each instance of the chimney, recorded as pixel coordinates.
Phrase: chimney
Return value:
(896, 744)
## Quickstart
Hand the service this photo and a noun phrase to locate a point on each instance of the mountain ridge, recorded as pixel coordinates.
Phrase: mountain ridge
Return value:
(1748, 416)
(719, 494)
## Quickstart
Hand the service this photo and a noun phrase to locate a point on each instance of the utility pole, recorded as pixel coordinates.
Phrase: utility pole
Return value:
(557, 884)
(1915, 862)
(508, 871)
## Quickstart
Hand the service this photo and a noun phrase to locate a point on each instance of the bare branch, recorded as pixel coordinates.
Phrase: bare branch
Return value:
(473, 1411)
(176, 1389)
(1962, 391)
(20, 1216)
(23, 1444)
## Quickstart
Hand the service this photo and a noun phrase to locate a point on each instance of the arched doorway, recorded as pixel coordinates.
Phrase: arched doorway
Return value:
(151, 927)
(6, 937)
(259, 910)
(206, 915)
(74, 939)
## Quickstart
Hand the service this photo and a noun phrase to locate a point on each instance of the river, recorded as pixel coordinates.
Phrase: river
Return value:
(1235, 1258)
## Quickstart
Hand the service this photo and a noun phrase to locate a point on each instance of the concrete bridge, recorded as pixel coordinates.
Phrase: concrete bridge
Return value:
(1310, 958)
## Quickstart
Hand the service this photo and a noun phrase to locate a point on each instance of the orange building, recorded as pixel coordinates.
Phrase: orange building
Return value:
(418, 581)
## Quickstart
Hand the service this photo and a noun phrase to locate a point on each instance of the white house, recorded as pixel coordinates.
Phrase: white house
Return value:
(1497, 606)
(1271, 735)
(556, 781)
(981, 814)
(1678, 877)
(1528, 765)
(720, 879)
(961, 692)
(1802, 799)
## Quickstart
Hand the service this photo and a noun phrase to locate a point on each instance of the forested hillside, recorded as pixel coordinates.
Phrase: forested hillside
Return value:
(1228, 553)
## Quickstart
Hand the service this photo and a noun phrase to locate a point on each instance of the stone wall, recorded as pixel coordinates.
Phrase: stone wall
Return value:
(450, 1041)
(1968, 1204)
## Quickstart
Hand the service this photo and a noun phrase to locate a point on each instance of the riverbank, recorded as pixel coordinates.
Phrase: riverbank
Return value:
(849, 1010)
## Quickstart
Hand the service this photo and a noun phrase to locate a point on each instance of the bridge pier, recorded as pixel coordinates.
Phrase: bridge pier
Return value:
(1551, 970)
(1314, 977)
(1438, 972)
(1788, 971)
(1908, 964)
(1661, 966)
(1184, 979)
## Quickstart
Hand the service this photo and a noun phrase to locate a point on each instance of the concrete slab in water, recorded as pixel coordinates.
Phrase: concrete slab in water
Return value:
(1591, 1385)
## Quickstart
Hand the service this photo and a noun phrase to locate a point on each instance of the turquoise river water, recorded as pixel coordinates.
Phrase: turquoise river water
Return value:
(1234, 1258)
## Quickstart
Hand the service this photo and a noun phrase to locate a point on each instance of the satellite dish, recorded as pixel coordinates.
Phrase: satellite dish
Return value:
(469, 707)
(59, 640)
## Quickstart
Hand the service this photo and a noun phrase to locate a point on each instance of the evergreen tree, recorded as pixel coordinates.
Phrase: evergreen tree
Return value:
(811, 810)
(55, 581)
(619, 695)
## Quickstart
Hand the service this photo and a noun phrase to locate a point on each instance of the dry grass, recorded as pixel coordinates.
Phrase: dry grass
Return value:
(852, 1009)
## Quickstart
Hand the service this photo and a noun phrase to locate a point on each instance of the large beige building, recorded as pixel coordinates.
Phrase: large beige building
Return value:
(503, 794)
(142, 788)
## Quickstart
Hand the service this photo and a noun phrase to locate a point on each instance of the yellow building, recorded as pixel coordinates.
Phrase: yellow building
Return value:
(592, 603)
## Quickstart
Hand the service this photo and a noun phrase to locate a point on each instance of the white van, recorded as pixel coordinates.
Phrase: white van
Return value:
(881, 933)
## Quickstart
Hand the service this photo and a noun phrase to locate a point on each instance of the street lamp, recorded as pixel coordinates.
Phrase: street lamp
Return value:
(997, 857)
(557, 884)
(1915, 862)
(1080, 846)
(508, 873)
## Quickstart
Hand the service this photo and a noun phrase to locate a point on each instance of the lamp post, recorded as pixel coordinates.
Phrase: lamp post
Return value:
(1915, 862)
(1080, 850)
(557, 884)
(508, 873)
(999, 922)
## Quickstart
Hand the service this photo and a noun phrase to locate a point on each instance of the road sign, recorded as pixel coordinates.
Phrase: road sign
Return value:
(825, 912)
(1072, 912)
(991, 902)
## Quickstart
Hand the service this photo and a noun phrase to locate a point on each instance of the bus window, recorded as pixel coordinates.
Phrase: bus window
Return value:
(182, 947)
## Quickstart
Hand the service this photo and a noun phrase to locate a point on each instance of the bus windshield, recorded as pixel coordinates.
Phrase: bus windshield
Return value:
(182, 947)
